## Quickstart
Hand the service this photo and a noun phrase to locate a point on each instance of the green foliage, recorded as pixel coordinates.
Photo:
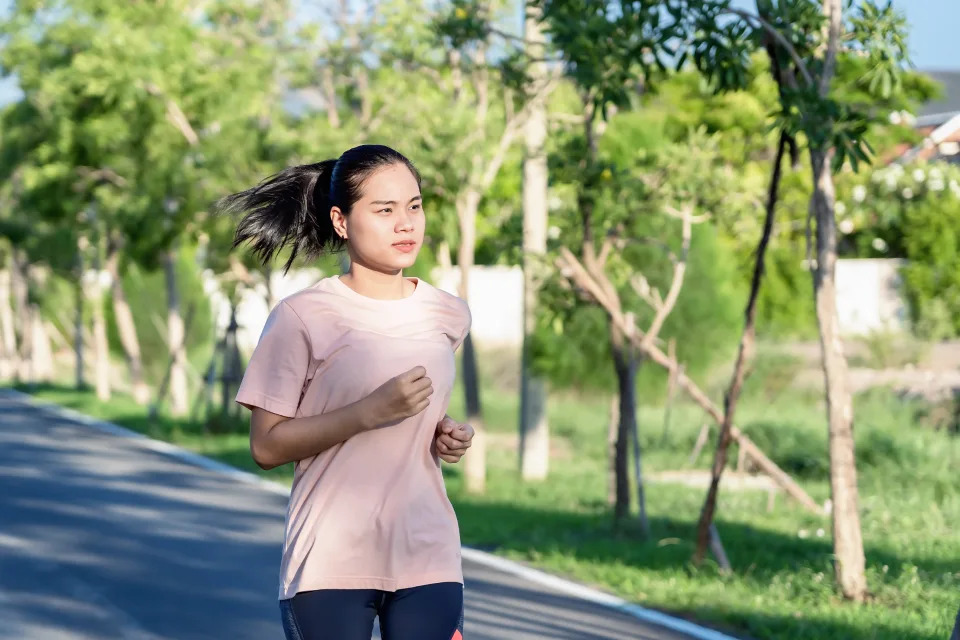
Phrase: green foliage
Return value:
(631, 191)
(932, 275)
(721, 49)
(913, 213)
(682, 103)
(146, 293)
(786, 304)
(464, 23)
(710, 307)
(608, 49)
(133, 115)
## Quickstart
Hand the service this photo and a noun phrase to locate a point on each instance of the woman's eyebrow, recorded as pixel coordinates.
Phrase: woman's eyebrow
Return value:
(394, 201)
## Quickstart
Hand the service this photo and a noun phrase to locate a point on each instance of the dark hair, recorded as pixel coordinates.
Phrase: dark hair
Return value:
(293, 207)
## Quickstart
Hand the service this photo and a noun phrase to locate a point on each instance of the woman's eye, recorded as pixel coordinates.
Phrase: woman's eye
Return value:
(384, 211)
(416, 206)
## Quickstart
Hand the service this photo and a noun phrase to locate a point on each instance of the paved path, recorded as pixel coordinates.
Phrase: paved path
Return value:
(101, 537)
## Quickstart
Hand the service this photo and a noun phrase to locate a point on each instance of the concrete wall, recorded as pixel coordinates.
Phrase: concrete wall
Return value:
(868, 296)
(868, 299)
(496, 302)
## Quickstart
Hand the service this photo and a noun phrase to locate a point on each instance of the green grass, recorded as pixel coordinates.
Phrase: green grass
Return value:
(783, 585)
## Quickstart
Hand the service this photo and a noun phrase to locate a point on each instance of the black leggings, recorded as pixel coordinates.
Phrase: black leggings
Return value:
(430, 612)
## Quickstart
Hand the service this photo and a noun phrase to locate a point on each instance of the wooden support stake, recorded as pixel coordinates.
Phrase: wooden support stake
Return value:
(701, 441)
(716, 548)
(568, 263)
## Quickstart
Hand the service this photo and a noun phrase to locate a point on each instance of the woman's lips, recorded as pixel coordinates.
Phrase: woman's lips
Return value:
(405, 246)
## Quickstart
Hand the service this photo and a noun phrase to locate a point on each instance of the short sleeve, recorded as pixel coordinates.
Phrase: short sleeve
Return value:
(465, 321)
(275, 375)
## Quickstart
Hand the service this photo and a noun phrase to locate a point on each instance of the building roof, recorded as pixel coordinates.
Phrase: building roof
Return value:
(936, 112)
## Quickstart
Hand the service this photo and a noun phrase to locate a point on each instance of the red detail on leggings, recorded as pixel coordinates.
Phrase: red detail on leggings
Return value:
(456, 635)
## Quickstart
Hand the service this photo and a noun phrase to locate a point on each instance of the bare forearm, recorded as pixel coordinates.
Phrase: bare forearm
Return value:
(299, 438)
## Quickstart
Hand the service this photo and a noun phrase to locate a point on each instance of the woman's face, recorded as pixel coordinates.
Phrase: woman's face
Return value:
(384, 229)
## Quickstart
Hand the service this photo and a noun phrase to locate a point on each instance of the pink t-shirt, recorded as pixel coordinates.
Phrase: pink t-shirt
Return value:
(371, 512)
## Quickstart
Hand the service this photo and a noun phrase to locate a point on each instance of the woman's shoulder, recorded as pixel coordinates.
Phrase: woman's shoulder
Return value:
(448, 299)
(454, 310)
(315, 302)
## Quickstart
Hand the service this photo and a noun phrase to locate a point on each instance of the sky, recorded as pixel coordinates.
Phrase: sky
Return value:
(932, 38)
(933, 31)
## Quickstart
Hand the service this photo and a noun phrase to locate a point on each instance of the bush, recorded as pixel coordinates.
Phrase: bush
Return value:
(914, 213)
(932, 275)
(785, 306)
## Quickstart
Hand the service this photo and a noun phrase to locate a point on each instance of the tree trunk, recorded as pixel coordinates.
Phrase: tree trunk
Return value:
(19, 288)
(612, 428)
(847, 536)
(101, 351)
(534, 427)
(126, 327)
(26, 372)
(8, 348)
(180, 401)
(744, 354)
(232, 370)
(621, 507)
(671, 390)
(638, 463)
(78, 320)
(330, 97)
(625, 363)
(475, 464)
(93, 291)
(42, 352)
(271, 290)
(444, 260)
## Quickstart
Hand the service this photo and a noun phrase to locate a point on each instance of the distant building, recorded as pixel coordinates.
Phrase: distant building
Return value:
(939, 122)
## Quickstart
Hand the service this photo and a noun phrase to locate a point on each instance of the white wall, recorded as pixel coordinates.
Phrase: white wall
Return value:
(868, 299)
(252, 310)
(496, 302)
(868, 296)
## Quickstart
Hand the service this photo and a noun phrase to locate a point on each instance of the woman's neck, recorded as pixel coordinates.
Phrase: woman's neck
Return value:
(376, 284)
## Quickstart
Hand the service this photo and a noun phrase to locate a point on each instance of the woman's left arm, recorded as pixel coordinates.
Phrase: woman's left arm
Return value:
(453, 439)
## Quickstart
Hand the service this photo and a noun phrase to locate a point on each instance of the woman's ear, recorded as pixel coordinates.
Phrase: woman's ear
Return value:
(339, 222)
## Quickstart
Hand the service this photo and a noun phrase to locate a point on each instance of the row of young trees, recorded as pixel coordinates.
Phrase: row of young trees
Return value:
(612, 52)
(136, 116)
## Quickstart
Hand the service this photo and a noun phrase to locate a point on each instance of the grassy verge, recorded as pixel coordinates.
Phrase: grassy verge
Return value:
(783, 586)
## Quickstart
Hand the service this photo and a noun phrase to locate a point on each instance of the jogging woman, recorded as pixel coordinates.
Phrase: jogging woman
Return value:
(350, 380)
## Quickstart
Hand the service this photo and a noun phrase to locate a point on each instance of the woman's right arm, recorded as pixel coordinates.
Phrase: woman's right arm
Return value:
(276, 440)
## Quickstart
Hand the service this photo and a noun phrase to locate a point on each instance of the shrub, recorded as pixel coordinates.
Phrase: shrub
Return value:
(913, 213)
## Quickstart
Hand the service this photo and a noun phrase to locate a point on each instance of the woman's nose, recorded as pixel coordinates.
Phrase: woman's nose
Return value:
(406, 222)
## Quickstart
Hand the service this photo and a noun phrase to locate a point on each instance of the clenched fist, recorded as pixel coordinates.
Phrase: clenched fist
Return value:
(400, 397)
(452, 439)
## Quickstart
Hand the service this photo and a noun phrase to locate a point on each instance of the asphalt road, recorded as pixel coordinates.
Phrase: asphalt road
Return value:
(102, 537)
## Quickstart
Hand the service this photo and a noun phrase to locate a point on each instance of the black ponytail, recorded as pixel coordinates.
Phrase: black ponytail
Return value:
(293, 206)
(285, 209)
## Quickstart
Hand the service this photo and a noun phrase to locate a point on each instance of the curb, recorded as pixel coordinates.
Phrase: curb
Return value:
(542, 578)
